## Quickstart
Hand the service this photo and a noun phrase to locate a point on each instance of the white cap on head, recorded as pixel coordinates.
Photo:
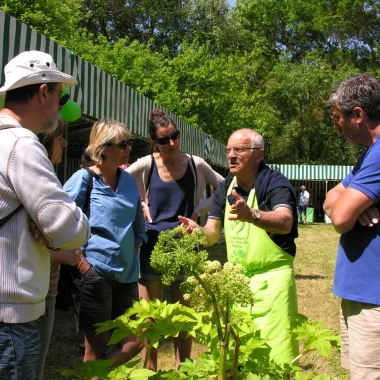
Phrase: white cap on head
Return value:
(302, 187)
(32, 67)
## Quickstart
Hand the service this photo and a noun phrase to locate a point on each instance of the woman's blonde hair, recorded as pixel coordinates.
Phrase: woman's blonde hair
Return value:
(103, 132)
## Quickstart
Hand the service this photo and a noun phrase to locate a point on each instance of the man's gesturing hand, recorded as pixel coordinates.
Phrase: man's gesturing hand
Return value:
(189, 224)
(240, 210)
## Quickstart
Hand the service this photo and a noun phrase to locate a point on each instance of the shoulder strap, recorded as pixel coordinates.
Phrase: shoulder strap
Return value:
(194, 169)
(90, 185)
(150, 173)
(4, 220)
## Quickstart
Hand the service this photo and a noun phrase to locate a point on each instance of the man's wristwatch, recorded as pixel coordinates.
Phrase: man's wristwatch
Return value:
(257, 216)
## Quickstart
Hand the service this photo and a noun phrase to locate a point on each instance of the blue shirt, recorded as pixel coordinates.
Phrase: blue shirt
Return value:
(357, 272)
(117, 224)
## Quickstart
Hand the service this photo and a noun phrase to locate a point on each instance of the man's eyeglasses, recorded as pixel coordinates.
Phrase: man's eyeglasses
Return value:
(238, 150)
(121, 144)
(165, 140)
(335, 118)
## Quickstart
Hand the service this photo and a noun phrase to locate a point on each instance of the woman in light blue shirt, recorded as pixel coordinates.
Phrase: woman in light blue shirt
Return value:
(109, 267)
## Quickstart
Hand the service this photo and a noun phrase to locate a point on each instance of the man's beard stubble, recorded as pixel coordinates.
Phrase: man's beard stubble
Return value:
(49, 124)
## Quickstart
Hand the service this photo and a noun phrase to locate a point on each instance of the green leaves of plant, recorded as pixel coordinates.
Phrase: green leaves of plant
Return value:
(152, 320)
(88, 370)
(130, 372)
(317, 338)
(251, 376)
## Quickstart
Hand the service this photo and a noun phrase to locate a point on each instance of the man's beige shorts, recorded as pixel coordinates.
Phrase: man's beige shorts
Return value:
(360, 334)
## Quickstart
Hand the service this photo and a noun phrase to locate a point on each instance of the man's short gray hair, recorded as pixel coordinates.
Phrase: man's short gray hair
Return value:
(257, 140)
(358, 91)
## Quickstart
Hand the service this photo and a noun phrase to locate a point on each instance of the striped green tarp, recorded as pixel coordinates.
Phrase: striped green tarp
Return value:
(99, 94)
(313, 172)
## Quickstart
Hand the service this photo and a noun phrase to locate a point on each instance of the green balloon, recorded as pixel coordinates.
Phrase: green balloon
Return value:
(71, 110)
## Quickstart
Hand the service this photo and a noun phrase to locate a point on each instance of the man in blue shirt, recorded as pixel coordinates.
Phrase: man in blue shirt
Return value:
(353, 208)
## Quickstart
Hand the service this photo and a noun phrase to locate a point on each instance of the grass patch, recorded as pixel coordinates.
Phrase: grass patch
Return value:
(314, 268)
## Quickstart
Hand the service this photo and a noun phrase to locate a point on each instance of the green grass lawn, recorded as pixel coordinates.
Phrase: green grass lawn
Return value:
(314, 268)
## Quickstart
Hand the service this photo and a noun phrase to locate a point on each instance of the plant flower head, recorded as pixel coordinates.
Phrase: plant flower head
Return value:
(178, 252)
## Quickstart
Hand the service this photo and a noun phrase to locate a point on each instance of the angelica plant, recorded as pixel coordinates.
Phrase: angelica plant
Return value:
(228, 284)
(177, 251)
(208, 286)
(215, 293)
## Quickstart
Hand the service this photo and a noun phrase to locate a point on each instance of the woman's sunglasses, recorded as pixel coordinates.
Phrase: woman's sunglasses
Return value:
(165, 140)
(121, 144)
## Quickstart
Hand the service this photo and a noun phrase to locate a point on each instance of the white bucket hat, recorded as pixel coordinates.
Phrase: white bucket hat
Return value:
(32, 67)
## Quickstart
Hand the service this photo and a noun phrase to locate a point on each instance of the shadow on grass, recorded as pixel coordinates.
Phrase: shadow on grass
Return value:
(309, 277)
(217, 252)
(312, 224)
(307, 367)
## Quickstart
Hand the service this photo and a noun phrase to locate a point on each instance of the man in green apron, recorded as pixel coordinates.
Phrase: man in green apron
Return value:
(258, 210)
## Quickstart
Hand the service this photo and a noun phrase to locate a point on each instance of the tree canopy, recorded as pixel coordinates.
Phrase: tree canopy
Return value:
(263, 64)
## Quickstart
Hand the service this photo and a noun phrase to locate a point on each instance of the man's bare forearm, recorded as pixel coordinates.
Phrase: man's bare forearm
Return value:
(345, 207)
(331, 198)
(212, 234)
(278, 221)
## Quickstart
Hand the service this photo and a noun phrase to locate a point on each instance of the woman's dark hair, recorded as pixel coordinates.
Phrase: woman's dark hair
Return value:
(157, 119)
(85, 160)
(47, 138)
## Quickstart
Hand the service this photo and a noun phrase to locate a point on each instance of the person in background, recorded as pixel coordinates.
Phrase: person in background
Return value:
(54, 143)
(109, 265)
(258, 209)
(31, 197)
(170, 183)
(303, 203)
(85, 160)
(353, 207)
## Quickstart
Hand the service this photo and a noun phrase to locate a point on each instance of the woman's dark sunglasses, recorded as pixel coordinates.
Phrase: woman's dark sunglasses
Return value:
(63, 99)
(121, 144)
(165, 140)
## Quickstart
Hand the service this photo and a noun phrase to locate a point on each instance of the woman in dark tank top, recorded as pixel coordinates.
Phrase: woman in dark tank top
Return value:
(172, 182)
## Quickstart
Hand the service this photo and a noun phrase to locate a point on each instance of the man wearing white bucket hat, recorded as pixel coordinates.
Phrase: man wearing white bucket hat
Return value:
(30, 192)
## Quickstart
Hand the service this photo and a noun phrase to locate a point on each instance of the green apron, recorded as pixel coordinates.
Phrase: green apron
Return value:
(272, 281)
